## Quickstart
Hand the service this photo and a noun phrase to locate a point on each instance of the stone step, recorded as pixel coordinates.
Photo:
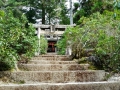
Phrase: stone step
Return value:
(52, 57)
(50, 62)
(51, 53)
(64, 86)
(55, 76)
(53, 67)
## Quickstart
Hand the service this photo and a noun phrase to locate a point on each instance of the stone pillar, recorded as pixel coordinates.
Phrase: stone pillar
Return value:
(38, 35)
(39, 32)
(52, 28)
(68, 50)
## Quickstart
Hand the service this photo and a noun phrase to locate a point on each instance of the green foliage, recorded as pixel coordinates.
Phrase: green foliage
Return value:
(61, 45)
(43, 45)
(47, 10)
(116, 9)
(13, 6)
(99, 32)
(117, 4)
(63, 15)
(105, 37)
(21, 82)
(15, 39)
(88, 7)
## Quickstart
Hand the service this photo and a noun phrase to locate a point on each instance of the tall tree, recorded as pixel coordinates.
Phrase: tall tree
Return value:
(13, 6)
(45, 9)
(63, 15)
(88, 7)
(51, 10)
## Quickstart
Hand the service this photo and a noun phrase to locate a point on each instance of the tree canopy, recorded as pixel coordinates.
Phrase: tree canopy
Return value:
(46, 10)
(88, 7)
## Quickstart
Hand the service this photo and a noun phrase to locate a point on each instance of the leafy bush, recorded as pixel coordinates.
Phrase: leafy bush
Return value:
(43, 45)
(15, 38)
(61, 45)
(98, 32)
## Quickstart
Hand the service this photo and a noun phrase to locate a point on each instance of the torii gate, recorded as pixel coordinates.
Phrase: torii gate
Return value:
(52, 33)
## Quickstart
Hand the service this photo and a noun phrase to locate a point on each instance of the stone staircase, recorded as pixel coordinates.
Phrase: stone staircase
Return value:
(56, 72)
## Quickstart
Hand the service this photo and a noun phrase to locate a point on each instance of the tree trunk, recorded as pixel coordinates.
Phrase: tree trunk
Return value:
(43, 14)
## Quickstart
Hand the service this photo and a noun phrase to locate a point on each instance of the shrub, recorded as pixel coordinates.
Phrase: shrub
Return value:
(15, 38)
(99, 32)
(43, 45)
